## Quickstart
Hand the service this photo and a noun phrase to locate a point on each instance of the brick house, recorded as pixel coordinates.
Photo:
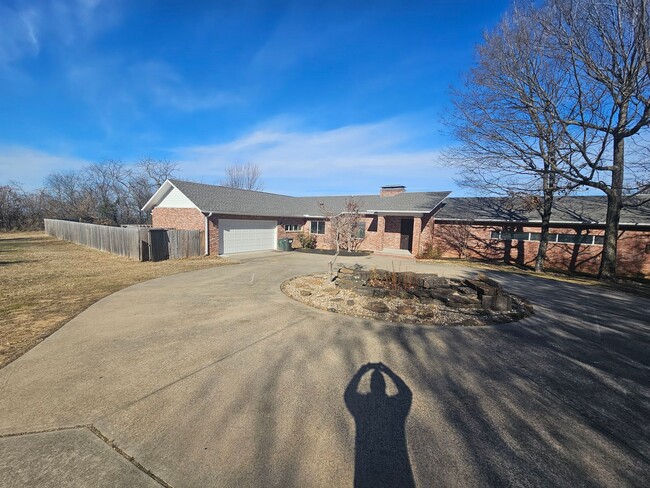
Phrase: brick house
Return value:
(403, 223)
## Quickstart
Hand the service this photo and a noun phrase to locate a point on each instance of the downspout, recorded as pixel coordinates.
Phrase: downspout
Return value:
(207, 236)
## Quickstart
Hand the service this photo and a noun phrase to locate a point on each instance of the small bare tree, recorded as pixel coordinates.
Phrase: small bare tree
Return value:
(343, 228)
(245, 176)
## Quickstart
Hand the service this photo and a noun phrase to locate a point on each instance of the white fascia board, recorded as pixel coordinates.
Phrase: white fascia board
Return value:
(164, 189)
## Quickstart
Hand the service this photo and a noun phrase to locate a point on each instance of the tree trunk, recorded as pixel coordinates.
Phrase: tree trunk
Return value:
(607, 270)
(336, 255)
(547, 209)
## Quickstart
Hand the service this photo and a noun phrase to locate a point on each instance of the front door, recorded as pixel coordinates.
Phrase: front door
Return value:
(406, 240)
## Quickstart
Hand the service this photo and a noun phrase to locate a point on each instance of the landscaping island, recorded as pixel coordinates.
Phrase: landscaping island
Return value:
(407, 297)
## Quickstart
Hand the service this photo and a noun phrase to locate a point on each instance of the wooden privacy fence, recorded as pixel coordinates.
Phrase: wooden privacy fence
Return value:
(138, 243)
(174, 244)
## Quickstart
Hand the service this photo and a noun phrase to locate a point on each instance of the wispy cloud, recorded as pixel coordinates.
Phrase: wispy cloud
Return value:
(353, 158)
(29, 166)
(119, 89)
(27, 28)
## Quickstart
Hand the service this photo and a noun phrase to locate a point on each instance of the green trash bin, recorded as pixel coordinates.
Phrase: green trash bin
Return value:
(285, 244)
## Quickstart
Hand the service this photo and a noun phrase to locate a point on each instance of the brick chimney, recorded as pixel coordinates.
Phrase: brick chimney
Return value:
(391, 190)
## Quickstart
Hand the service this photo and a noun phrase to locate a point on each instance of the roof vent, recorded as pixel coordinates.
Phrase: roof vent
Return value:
(391, 190)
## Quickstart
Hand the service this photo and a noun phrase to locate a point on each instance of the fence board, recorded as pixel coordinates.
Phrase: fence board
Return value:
(133, 242)
(115, 240)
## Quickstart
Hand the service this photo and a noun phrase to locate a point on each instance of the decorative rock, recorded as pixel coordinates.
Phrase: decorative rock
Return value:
(419, 293)
(336, 300)
(466, 290)
(432, 281)
(379, 293)
(482, 289)
(332, 309)
(379, 307)
(346, 271)
(460, 302)
(365, 291)
(405, 310)
(486, 302)
(346, 285)
(424, 314)
(441, 293)
(350, 303)
(489, 281)
(502, 303)
(305, 293)
(427, 300)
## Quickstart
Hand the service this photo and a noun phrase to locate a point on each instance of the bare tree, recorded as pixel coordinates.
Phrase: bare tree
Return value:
(70, 196)
(245, 176)
(508, 143)
(147, 176)
(343, 228)
(110, 192)
(605, 49)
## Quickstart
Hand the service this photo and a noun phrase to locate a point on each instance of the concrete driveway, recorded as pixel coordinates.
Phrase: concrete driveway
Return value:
(216, 378)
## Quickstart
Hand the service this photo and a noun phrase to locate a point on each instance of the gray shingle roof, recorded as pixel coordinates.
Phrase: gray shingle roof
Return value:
(575, 209)
(212, 198)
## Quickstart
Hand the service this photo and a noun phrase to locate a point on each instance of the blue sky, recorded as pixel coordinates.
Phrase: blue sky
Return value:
(326, 97)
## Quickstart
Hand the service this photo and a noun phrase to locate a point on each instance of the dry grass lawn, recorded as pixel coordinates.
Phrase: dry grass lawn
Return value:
(44, 282)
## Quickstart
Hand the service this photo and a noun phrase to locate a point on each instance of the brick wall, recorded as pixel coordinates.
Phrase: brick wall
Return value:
(460, 241)
(393, 232)
(177, 218)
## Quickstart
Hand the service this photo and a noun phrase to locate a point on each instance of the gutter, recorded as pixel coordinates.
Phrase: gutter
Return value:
(207, 236)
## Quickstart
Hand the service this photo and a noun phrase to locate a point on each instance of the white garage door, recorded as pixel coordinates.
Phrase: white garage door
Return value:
(246, 235)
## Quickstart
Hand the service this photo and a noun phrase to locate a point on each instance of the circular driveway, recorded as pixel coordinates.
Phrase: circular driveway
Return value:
(216, 378)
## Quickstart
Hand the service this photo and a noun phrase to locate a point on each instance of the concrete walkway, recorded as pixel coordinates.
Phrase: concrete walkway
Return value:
(216, 378)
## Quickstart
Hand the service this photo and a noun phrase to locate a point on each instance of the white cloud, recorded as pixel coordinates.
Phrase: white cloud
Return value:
(29, 166)
(28, 27)
(118, 89)
(354, 158)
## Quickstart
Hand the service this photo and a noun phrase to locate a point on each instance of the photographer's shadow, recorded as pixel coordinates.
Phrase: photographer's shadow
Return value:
(381, 455)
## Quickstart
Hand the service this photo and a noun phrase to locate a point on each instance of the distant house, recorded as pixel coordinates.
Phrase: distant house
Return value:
(405, 223)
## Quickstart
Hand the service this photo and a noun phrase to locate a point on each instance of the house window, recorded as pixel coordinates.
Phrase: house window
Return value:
(292, 227)
(318, 227)
(560, 238)
(359, 231)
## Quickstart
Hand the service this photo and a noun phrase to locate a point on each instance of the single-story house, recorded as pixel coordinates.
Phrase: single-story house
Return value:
(395, 221)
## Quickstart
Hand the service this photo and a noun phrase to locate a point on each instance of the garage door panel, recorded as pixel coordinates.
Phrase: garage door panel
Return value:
(246, 235)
